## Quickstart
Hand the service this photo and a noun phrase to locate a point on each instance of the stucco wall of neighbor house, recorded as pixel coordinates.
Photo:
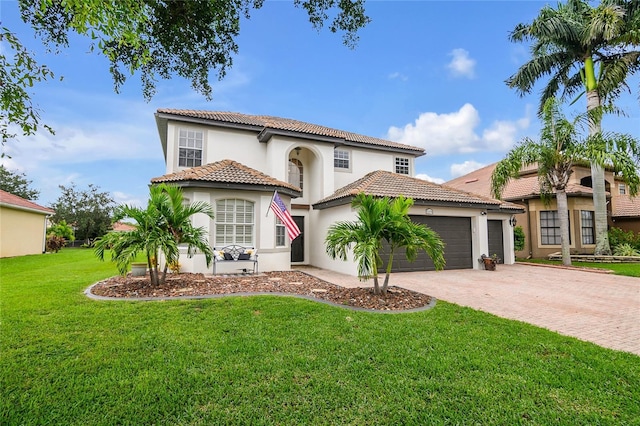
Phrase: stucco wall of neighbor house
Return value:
(21, 232)
(270, 257)
(627, 224)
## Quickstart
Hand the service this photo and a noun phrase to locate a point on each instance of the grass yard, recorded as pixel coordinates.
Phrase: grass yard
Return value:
(627, 269)
(66, 359)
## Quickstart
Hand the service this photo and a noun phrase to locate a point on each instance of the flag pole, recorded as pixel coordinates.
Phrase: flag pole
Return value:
(270, 203)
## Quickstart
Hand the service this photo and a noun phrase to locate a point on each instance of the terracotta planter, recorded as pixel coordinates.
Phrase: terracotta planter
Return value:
(489, 264)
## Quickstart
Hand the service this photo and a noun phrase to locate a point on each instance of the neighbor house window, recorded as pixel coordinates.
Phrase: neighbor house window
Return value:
(280, 233)
(622, 189)
(295, 172)
(550, 228)
(234, 222)
(402, 165)
(190, 148)
(341, 159)
(588, 227)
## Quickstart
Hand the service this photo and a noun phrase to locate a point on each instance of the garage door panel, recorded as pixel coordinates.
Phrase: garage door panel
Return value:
(456, 234)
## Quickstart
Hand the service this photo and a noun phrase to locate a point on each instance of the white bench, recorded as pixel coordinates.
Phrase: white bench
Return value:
(235, 253)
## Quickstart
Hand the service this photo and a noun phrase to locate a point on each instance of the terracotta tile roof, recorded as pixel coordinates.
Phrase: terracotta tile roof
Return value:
(123, 227)
(479, 182)
(8, 199)
(225, 171)
(286, 124)
(387, 184)
(626, 206)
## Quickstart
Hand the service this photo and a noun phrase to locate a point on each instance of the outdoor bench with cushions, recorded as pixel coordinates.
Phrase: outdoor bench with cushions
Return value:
(235, 253)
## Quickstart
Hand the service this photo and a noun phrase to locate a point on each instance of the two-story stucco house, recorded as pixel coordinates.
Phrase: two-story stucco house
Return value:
(236, 161)
(539, 220)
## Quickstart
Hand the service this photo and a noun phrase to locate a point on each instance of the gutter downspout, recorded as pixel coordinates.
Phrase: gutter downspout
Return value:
(44, 234)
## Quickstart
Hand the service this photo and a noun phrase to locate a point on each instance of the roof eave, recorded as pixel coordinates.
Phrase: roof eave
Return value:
(234, 186)
(27, 209)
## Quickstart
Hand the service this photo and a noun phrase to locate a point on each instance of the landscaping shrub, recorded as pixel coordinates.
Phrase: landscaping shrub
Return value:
(618, 236)
(625, 250)
(518, 238)
(55, 243)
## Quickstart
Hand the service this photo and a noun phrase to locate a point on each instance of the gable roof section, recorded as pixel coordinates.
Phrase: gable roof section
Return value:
(10, 200)
(228, 174)
(527, 186)
(267, 126)
(387, 184)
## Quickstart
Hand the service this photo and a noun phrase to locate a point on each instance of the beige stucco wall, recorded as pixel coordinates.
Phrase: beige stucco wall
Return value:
(21, 232)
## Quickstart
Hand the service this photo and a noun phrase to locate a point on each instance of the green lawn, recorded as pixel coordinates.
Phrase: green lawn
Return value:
(66, 359)
(627, 269)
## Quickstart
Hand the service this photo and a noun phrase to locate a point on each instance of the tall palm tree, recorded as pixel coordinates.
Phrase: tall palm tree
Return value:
(161, 227)
(382, 219)
(559, 149)
(583, 49)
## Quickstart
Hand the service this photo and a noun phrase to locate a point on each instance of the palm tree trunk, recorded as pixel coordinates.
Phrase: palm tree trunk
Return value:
(563, 215)
(376, 286)
(598, 183)
(387, 273)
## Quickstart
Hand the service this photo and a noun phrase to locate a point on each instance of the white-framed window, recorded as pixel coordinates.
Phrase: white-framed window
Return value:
(588, 227)
(281, 234)
(234, 222)
(402, 165)
(296, 174)
(550, 228)
(190, 148)
(341, 159)
(622, 189)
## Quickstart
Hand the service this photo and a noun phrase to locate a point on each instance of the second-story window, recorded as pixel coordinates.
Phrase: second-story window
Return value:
(622, 189)
(190, 148)
(402, 165)
(341, 159)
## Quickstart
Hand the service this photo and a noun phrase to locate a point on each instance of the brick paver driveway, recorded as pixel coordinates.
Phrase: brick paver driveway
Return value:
(599, 308)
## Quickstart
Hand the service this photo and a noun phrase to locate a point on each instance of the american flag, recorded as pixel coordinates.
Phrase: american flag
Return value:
(280, 210)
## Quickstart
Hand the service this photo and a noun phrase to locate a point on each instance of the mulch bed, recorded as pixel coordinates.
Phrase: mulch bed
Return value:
(293, 282)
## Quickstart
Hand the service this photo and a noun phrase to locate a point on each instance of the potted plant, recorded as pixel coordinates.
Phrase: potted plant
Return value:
(139, 269)
(489, 262)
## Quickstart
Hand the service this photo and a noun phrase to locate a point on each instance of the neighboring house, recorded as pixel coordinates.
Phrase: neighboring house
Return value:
(236, 161)
(123, 227)
(540, 221)
(23, 226)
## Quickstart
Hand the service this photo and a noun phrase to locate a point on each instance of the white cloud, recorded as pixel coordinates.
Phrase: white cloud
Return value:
(124, 198)
(461, 64)
(464, 168)
(399, 76)
(428, 178)
(85, 143)
(454, 133)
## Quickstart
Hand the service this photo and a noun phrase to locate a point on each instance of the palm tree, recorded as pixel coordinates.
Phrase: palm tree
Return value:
(382, 219)
(160, 228)
(559, 148)
(583, 49)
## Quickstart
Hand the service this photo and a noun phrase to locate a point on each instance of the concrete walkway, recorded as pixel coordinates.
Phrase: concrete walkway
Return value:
(596, 307)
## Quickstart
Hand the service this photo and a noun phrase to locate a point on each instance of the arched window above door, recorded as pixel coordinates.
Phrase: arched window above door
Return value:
(295, 172)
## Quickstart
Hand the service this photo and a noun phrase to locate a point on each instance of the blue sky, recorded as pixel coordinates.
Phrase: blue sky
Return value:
(426, 73)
